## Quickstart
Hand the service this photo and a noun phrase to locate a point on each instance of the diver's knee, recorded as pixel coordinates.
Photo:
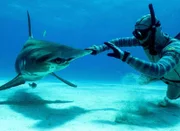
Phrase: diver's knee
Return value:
(172, 97)
(173, 92)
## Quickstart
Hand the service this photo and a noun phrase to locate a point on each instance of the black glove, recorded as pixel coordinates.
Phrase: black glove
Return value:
(117, 52)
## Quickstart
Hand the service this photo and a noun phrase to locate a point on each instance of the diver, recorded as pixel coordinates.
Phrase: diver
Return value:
(162, 50)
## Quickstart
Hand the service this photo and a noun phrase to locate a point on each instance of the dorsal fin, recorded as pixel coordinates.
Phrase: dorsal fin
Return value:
(177, 36)
(29, 25)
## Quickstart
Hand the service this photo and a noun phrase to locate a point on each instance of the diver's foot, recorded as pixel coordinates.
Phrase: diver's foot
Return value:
(164, 103)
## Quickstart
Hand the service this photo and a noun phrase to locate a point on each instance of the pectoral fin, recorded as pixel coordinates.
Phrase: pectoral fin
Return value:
(18, 80)
(63, 80)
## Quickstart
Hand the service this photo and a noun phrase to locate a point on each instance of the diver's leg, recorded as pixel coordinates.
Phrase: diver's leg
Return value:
(172, 93)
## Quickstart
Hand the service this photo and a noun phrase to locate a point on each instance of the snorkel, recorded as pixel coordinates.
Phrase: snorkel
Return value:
(152, 50)
(142, 34)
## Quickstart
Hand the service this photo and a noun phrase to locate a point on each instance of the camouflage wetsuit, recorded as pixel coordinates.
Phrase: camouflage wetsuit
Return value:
(165, 65)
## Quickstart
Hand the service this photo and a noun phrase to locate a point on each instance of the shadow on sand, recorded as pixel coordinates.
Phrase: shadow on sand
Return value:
(146, 114)
(32, 106)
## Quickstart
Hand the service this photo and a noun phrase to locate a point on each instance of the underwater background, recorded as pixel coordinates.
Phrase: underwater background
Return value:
(106, 98)
(80, 24)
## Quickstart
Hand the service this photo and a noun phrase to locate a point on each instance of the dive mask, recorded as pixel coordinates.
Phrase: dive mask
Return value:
(141, 34)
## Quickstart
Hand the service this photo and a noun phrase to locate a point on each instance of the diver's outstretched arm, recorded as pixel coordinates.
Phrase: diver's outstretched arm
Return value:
(119, 42)
(169, 60)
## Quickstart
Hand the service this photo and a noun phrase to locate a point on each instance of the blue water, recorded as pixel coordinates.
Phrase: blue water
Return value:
(80, 23)
(91, 106)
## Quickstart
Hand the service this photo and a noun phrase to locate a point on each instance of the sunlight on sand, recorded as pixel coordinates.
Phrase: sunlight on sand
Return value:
(101, 107)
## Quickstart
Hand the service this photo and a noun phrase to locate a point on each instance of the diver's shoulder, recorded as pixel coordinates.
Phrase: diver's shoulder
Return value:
(172, 39)
(172, 46)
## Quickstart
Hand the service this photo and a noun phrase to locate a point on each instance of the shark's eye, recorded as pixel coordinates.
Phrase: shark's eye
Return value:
(59, 60)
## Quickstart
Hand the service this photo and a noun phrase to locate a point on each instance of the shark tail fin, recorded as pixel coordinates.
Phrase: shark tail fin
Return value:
(29, 25)
(18, 80)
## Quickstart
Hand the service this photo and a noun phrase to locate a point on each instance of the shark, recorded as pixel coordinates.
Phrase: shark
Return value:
(39, 58)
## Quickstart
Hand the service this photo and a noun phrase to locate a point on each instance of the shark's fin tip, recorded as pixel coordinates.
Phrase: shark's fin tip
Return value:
(18, 80)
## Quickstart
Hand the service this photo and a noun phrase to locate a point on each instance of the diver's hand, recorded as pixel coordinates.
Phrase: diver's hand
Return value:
(117, 52)
(94, 49)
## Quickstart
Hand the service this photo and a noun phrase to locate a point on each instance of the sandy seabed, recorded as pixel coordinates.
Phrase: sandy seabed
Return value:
(90, 107)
